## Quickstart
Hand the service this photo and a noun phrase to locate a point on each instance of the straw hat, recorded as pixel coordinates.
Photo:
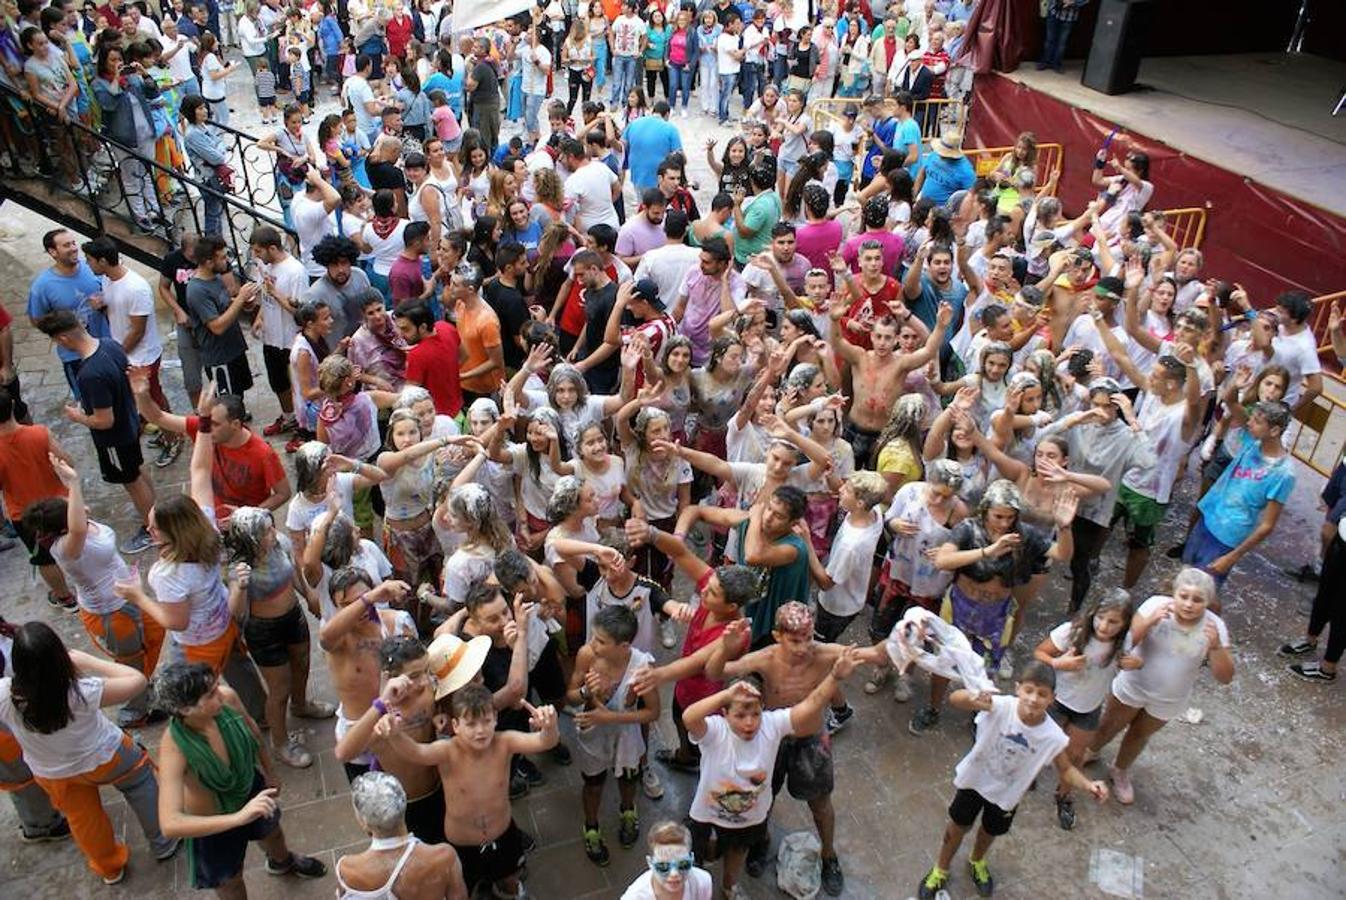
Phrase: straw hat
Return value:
(454, 662)
(948, 145)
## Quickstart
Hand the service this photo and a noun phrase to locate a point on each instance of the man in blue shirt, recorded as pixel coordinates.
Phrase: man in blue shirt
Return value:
(648, 140)
(882, 130)
(68, 284)
(907, 140)
(944, 170)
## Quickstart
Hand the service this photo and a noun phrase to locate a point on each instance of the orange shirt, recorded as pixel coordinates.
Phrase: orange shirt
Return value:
(26, 475)
(479, 329)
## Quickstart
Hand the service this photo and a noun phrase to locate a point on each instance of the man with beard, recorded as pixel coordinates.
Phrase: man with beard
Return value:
(342, 287)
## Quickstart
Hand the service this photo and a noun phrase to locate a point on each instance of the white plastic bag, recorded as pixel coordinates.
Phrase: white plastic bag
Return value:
(799, 865)
(923, 638)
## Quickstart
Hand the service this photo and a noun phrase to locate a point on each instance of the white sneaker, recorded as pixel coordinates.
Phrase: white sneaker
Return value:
(654, 788)
(684, 112)
(668, 633)
(902, 690)
(1006, 670)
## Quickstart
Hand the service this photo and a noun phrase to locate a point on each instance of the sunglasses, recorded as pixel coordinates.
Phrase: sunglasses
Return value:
(667, 867)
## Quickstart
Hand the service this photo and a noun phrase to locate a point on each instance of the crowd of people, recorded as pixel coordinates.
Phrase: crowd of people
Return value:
(549, 446)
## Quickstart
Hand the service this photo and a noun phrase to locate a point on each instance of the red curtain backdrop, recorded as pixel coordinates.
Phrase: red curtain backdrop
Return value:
(1265, 240)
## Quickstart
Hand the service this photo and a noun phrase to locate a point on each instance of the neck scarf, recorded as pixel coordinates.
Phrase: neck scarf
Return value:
(384, 225)
(230, 782)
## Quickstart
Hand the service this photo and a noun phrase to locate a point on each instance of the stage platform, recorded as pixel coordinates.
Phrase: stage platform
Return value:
(1267, 116)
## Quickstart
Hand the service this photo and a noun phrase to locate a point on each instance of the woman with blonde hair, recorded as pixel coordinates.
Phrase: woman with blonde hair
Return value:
(470, 511)
(503, 189)
(548, 198)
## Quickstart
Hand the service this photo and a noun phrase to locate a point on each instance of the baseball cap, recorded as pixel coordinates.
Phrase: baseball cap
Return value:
(647, 290)
(1110, 286)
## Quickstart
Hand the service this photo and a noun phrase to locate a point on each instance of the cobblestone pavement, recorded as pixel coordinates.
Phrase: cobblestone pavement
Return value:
(1247, 803)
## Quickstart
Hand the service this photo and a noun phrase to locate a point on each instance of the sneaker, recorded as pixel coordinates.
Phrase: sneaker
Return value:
(156, 437)
(981, 877)
(136, 543)
(671, 759)
(1297, 647)
(1006, 669)
(668, 633)
(1065, 812)
(302, 866)
(294, 755)
(529, 770)
(168, 454)
(1312, 671)
(878, 680)
(837, 719)
(925, 719)
(314, 709)
(282, 425)
(935, 881)
(66, 603)
(654, 789)
(594, 848)
(117, 878)
(560, 754)
(629, 831)
(293, 444)
(902, 689)
(1121, 786)
(169, 851)
(518, 786)
(58, 832)
(833, 881)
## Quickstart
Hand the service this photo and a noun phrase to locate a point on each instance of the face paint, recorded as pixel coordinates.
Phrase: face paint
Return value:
(670, 862)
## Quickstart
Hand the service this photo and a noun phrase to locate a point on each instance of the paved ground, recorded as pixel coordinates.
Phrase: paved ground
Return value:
(1247, 803)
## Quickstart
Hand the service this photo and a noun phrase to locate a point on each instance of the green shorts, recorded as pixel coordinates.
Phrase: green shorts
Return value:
(1142, 515)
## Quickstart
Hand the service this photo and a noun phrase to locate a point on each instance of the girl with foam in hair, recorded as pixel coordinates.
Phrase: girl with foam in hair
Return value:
(573, 537)
(717, 392)
(605, 472)
(267, 585)
(899, 444)
(948, 439)
(348, 423)
(319, 471)
(333, 544)
(659, 483)
(825, 423)
(486, 462)
(543, 457)
(567, 395)
(408, 496)
(991, 382)
(470, 510)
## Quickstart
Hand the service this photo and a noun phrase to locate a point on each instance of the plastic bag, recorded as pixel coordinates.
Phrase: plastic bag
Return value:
(923, 638)
(799, 865)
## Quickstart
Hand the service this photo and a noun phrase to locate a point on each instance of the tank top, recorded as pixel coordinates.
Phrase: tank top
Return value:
(346, 892)
(302, 414)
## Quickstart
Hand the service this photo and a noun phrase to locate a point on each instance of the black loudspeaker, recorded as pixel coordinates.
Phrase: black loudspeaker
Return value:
(1115, 52)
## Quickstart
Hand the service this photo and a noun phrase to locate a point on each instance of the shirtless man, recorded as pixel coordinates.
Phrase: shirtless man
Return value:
(878, 375)
(210, 750)
(474, 766)
(791, 669)
(351, 639)
(396, 864)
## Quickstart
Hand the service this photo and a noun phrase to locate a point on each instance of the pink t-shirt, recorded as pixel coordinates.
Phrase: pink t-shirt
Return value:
(677, 48)
(446, 123)
(815, 240)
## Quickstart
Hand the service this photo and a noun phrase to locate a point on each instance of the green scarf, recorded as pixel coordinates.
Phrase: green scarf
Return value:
(231, 781)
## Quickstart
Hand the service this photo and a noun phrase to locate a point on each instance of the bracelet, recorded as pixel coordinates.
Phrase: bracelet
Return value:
(204, 424)
(379, 705)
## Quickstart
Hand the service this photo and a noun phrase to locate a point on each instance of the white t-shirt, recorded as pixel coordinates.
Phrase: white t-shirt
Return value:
(642, 599)
(734, 789)
(197, 584)
(130, 296)
(535, 490)
(1084, 690)
(385, 250)
(367, 556)
(607, 486)
(1163, 423)
(464, 566)
(358, 93)
(278, 325)
(849, 564)
(536, 61)
(310, 223)
(907, 561)
(180, 65)
(1008, 754)
(590, 189)
(1173, 656)
(668, 266)
(724, 62)
(95, 570)
(303, 512)
(573, 420)
(89, 741)
(212, 88)
(626, 34)
(1084, 333)
(697, 886)
(1300, 358)
(657, 489)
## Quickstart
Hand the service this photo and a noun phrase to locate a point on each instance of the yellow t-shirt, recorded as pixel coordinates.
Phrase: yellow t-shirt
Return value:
(896, 458)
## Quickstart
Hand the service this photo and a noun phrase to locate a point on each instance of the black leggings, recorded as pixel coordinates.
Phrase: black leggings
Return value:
(1329, 613)
(1089, 540)
(650, 75)
(580, 88)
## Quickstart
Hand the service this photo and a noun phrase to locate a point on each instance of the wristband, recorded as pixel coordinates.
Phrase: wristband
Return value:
(204, 424)
(379, 705)
(1100, 165)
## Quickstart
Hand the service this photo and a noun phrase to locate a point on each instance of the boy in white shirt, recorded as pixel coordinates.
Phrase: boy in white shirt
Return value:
(1016, 739)
(843, 593)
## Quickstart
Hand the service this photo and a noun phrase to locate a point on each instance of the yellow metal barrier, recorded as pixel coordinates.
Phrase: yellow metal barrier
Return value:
(1318, 318)
(1050, 156)
(1186, 226)
(828, 110)
(1322, 436)
(938, 116)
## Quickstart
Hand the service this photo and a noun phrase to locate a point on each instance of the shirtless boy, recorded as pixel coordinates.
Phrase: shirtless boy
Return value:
(878, 375)
(217, 786)
(791, 669)
(474, 767)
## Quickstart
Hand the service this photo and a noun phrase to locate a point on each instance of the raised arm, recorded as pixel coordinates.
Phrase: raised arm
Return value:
(202, 464)
(806, 717)
(76, 517)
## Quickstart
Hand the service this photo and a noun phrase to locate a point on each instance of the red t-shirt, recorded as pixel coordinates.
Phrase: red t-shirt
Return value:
(26, 475)
(241, 476)
(572, 320)
(433, 364)
(5, 318)
(698, 687)
(872, 306)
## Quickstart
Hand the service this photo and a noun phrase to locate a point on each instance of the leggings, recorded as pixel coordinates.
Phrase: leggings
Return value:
(1327, 612)
(580, 88)
(650, 77)
(1089, 540)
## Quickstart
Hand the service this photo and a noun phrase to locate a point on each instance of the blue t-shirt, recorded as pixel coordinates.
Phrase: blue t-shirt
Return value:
(528, 238)
(51, 291)
(452, 88)
(909, 133)
(648, 140)
(944, 177)
(1232, 506)
(885, 130)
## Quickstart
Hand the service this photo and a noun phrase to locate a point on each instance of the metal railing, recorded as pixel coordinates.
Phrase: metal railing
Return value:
(934, 116)
(1186, 226)
(1318, 319)
(87, 180)
(1050, 158)
(1321, 438)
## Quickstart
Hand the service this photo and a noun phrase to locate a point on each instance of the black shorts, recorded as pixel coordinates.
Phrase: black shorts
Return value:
(235, 377)
(277, 362)
(493, 861)
(217, 858)
(966, 805)
(827, 627)
(270, 640)
(425, 816)
(725, 838)
(1064, 715)
(120, 465)
(38, 555)
(804, 764)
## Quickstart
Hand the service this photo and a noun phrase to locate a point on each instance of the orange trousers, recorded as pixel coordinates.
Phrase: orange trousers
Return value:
(127, 635)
